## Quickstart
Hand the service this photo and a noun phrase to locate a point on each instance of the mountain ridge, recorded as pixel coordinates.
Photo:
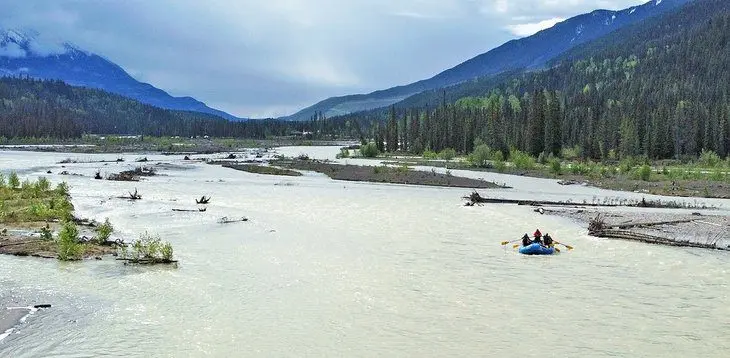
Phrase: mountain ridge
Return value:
(530, 52)
(22, 54)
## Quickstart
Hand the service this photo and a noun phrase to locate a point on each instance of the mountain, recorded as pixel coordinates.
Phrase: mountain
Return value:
(22, 53)
(54, 109)
(532, 52)
(654, 89)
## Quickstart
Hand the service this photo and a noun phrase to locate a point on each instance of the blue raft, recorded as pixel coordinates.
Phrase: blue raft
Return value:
(536, 249)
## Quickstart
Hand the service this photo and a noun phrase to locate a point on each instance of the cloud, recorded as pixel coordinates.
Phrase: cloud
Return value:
(12, 50)
(523, 30)
(261, 58)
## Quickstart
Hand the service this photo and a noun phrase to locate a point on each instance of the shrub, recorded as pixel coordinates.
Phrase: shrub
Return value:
(42, 185)
(555, 166)
(13, 180)
(480, 156)
(2, 181)
(522, 160)
(148, 248)
(500, 165)
(69, 247)
(709, 158)
(369, 150)
(542, 158)
(62, 188)
(166, 251)
(447, 154)
(644, 172)
(103, 231)
(430, 155)
(344, 153)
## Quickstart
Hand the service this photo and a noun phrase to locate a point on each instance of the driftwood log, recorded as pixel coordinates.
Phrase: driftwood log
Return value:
(476, 198)
(651, 239)
(191, 210)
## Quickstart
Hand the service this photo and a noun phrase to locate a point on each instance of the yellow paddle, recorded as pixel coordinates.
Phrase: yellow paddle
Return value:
(509, 242)
(567, 246)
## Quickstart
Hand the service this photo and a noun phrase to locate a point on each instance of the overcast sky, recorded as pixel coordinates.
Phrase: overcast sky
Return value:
(273, 57)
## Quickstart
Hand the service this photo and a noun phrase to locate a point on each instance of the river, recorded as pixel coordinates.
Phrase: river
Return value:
(340, 269)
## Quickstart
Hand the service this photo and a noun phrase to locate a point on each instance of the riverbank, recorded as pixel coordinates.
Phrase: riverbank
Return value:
(662, 178)
(166, 145)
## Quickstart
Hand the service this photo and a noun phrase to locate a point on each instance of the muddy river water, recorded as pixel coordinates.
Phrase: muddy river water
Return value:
(340, 269)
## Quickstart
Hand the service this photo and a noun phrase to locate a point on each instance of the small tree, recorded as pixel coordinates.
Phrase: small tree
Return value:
(447, 154)
(103, 231)
(480, 156)
(369, 150)
(69, 248)
(2, 181)
(13, 180)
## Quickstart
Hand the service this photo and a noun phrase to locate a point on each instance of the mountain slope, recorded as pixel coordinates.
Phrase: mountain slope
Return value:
(55, 109)
(527, 53)
(21, 54)
(657, 89)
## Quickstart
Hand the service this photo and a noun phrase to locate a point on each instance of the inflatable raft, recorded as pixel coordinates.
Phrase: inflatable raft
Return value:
(536, 249)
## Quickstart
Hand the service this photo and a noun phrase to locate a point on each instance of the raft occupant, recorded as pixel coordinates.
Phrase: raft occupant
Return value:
(537, 237)
(526, 240)
(548, 240)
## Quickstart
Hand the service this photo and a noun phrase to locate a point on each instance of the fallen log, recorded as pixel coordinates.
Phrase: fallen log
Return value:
(651, 239)
(647, 224)
(226, 220)
(191, 210)
(147, 261)
(476, 198)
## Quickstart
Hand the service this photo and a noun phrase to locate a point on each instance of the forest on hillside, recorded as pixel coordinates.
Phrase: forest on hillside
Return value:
(43, 108)
(658, 89)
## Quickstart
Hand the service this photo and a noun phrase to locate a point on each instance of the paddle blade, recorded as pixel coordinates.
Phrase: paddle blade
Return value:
(515, 246)
(556, 249)
(505, 243)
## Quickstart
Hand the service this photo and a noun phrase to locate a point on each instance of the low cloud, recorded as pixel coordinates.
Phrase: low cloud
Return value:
(12, 50)
(522, 30)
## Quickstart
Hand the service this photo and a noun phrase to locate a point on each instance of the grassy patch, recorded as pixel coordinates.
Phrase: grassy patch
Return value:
(33, 201)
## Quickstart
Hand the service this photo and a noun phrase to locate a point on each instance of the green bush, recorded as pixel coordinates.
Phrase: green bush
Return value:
(644, 172)
(430, 155)
(709, 159)
(555, 166)
(62, 188)
(542, 158)
(344, 153)
(148, 248)
(2, 181)
(69, 247)
(13, 180)
(104, 231)
(500, 165)
(447, 154)
(42, 185)
(522, 160)
(369, 150)
(480, 156)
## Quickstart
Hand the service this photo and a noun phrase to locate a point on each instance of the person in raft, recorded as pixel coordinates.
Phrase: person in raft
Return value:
(547, 240)
(526, 240)
(537, 237)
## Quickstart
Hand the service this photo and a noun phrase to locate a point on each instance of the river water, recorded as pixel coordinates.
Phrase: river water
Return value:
(339, 269)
